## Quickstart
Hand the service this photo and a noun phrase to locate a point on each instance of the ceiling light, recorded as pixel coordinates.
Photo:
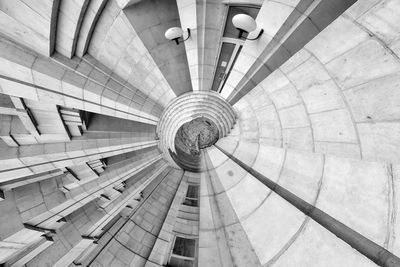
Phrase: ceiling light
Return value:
(245, 24)
(174, 33)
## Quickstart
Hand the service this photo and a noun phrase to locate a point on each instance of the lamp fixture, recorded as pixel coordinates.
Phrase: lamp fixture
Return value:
(245, 24)
(174, 33)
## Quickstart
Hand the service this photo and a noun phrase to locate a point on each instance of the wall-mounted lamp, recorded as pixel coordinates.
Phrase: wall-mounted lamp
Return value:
(245, 24)
(174, 33)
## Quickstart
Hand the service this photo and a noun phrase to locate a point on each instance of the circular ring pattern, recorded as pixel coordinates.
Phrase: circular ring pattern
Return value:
(187, 107)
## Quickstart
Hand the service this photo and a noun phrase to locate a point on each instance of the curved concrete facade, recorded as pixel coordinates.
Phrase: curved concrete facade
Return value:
(190, 106)
(306, 170)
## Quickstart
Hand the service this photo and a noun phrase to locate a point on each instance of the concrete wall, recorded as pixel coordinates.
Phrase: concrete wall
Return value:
(335, 96)
(222, 238)
(316, 100)
(288, 26)
(323, 125)
(357, 193)
(80, 84)
(116, 45)
(30, 23)
(151, 19)
(131, 242)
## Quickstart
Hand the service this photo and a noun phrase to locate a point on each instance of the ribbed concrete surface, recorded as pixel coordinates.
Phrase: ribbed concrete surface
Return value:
(314, 109)
(191, 106)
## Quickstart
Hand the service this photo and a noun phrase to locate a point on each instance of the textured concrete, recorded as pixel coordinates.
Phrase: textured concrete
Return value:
(31, 24)
(188, 107)
(75, 84)
(70, 16)
(151, 19)
(116, 45)
(312, 184)
(288, 27)
(188, 17)
(305, 171)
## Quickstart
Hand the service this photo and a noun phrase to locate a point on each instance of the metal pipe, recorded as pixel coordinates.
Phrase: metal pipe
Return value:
(365, 246)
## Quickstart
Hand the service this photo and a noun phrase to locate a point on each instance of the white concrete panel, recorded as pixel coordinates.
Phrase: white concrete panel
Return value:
(316, 247)
(247, 196)
(379, 141)
(272, 226)
(356, 193)
(302, 174)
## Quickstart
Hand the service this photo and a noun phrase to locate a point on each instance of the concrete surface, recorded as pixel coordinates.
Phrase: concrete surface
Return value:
(89, 114)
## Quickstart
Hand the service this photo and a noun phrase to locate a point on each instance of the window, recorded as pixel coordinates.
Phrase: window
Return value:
(184, 253)
(227, 57)
(192, 196)
(230, 31)
(184, 247)
(230, 46)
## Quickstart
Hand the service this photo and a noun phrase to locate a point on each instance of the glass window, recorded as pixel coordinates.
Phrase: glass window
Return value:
(230, 30)
(230, 46)
(223, 62)
(193, 191)
(179, 262)
(184, 247)
(183, 253)
(192, 196)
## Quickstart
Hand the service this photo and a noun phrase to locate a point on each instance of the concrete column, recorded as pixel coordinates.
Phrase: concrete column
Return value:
(75, 84)
(188, 17)
(11, 184)
(69, 257)
(117, 45)
(136, 233)
(162, 14)
(31, 25)
(96, 230)
(162, 246)
(69, 23)
(11, 125)
(53, 218)
(16, 244)
(210, 22)
(33, 159)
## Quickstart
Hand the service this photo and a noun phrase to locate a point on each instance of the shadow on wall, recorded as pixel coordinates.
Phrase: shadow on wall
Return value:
(150, 19)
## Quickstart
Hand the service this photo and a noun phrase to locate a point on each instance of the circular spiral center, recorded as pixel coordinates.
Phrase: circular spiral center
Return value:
(191, 122)
(195, 135)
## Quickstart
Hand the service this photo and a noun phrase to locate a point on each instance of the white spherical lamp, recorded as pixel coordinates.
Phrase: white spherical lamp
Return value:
(244, 22)
(173, 33)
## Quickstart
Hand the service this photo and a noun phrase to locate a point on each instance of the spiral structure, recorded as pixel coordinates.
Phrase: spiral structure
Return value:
(187, 107)
(200, 133)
